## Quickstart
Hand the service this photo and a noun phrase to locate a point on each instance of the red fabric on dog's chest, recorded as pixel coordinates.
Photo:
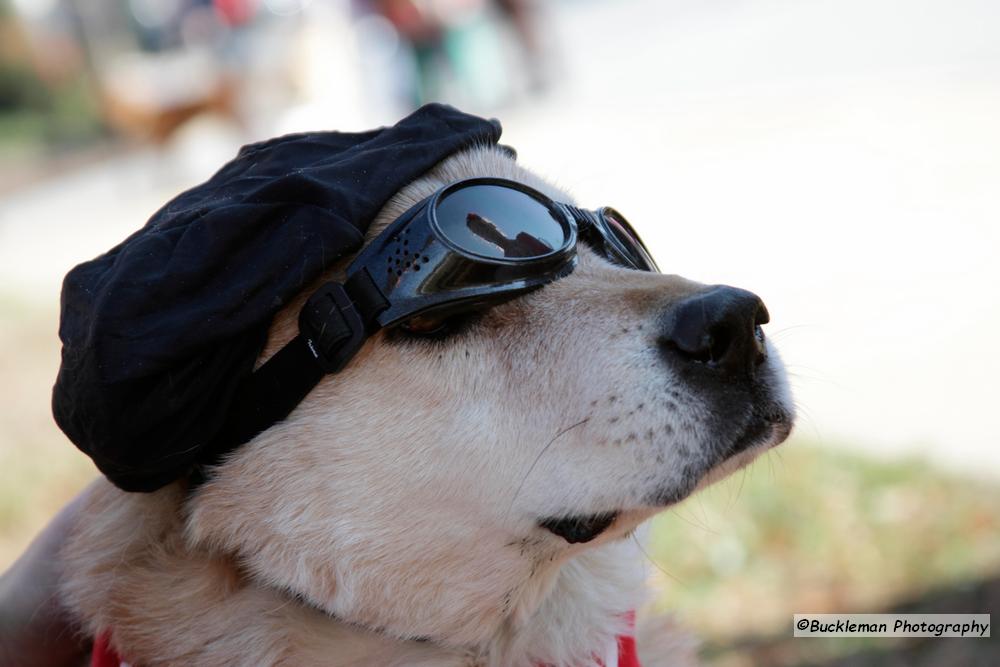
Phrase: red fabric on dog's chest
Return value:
(105, 656)
(628, 655)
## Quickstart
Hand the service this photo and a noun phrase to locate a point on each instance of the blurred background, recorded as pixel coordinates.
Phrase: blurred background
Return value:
(839, 157)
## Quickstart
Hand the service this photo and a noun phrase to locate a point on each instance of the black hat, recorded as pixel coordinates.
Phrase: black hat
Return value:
(159, 331)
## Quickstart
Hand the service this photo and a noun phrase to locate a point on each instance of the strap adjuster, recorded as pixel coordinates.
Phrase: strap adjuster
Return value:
(332, 327)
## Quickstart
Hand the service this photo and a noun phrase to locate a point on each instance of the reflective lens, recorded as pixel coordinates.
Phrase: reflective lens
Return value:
(628, 240)
(500, 223)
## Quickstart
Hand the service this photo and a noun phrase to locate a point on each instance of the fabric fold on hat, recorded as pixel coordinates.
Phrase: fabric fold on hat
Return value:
(158, 332)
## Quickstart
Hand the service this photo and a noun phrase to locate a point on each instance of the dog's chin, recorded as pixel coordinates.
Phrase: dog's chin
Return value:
(760, 435)
(757, 438)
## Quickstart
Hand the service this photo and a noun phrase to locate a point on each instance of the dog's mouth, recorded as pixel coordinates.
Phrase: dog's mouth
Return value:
(763, 432)
(769, 430)
(771, 427)
(768, 426)
(580, 528)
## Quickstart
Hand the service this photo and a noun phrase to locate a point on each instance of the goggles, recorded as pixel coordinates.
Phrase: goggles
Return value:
(482, 240)
(468, 246)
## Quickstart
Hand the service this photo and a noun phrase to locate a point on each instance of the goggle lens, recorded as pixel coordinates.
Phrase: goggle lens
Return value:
(500, 223)
(628, 240)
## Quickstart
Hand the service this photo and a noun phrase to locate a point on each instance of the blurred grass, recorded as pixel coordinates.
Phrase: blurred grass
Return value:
(806, 528)
(813, 529)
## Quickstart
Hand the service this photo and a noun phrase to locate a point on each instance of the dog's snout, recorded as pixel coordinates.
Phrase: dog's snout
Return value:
(719, 327)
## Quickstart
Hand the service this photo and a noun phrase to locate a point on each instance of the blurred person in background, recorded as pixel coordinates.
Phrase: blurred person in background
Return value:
(460, 50)
(143, 70)
(523, 17)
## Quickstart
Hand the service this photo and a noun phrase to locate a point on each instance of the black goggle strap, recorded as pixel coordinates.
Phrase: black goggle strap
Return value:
(333, 325)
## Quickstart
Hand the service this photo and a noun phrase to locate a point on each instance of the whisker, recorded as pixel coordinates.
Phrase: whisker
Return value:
(655, 564)
(539, 458)
(781, 459)
(701, 506)
(693, 523)
(739, 489)
(804, 366)
(811, 373)
(795, 375)
(809, 419)
(777, 333)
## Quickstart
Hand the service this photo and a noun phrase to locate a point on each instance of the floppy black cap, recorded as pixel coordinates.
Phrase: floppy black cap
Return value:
(158, 332)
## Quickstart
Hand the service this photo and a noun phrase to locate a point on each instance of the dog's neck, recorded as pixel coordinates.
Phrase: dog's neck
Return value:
(582, 614)
(581, 609)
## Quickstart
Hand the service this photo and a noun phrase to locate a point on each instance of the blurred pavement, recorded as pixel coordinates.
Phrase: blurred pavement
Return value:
(839, 157)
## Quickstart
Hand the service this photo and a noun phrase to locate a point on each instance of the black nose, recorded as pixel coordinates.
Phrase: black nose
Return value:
(720, 328)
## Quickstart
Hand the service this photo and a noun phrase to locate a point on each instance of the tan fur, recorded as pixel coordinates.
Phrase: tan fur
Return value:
(400, 499)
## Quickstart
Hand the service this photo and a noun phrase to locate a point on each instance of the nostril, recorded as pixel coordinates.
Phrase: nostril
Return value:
(721, 339)
(689, 334)
(701, 354)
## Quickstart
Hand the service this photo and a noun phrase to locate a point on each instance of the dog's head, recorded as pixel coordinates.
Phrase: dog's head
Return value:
(435, 486)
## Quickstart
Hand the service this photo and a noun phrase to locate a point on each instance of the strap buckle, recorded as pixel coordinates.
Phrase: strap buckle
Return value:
(332, 327)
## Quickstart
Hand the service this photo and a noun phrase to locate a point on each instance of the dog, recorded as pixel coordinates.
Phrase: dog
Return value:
(462, 497)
